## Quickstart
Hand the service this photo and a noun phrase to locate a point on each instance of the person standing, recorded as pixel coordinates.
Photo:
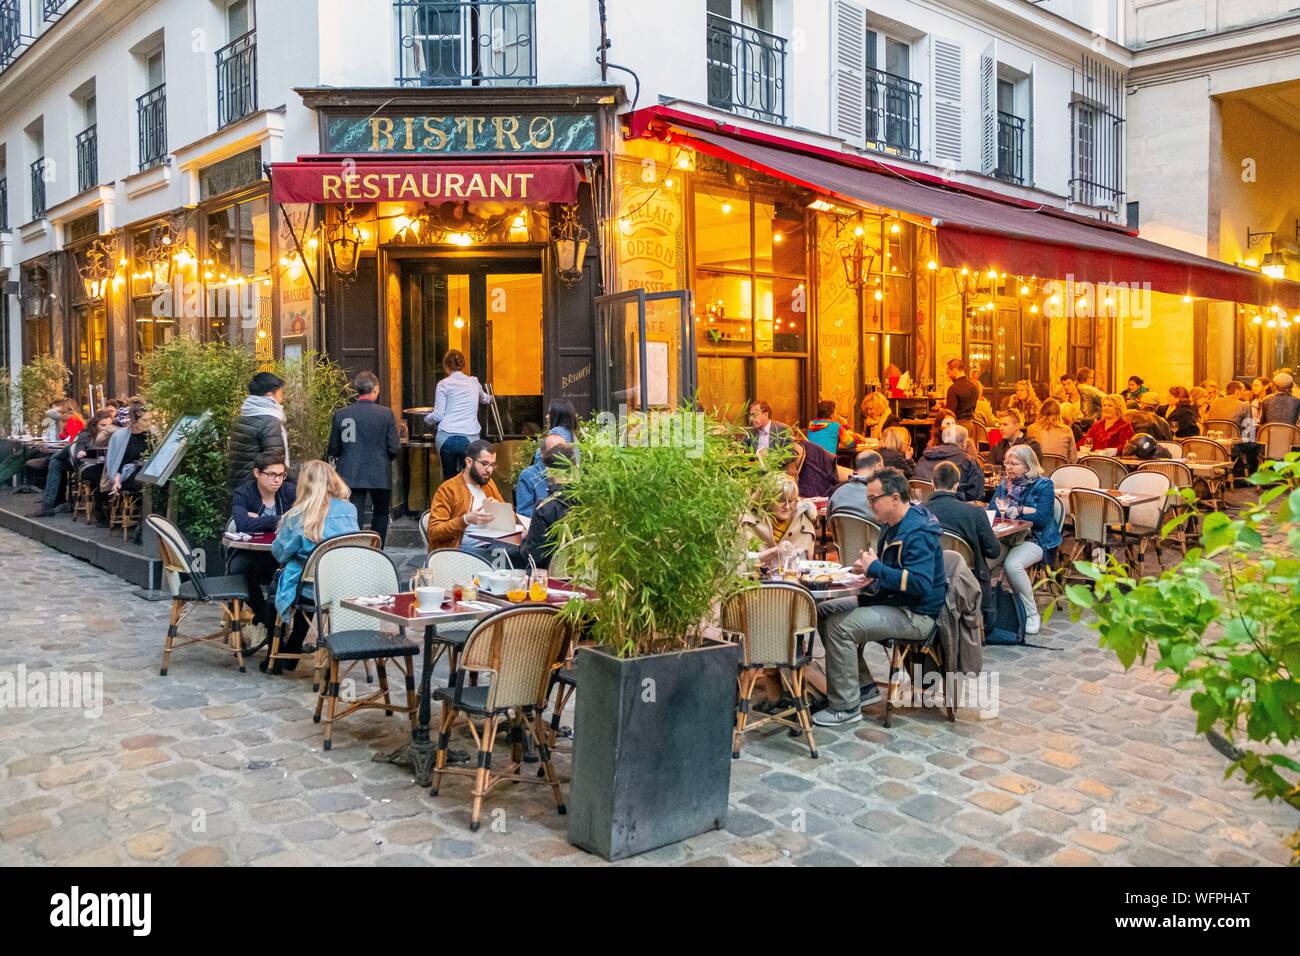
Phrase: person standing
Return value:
(455, 412)
(363, 443)
(259, 428)
(256, 507)
(962, 393)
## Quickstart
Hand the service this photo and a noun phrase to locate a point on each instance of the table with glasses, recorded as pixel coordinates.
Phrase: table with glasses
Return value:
(256, 542)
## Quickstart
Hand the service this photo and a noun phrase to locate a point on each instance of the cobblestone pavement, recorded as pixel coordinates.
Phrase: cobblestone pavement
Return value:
(1082, 765)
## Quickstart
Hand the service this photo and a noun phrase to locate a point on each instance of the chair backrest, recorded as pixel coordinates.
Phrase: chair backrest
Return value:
(1179, 475)
(978, 433)
(1075, 476)
(853, 535)
(920, 489)
(1224, 426)
(1278, 439)
(451, 566)
(1093, 512)
(768, 619)
(521, 646)
(356, 539)
(950, 541)
(351, 571)
(1205, 449)
(1052, 462)
(423, 525)
(1059, 514)
(1174, 449)
(1150, 514)
(177, 555)
(1109, 471)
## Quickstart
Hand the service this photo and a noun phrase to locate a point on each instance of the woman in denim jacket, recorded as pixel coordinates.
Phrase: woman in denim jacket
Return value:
(1031, 497)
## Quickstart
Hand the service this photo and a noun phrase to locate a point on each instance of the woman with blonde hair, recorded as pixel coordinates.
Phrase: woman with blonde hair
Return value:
(896, 449)
(1025, 401)
(876, 416)
(1053, 435)
(320, 512)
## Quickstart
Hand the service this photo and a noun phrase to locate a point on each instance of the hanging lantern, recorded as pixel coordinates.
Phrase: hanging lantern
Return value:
(98, 268)
(856, 257)
(570, 239)
(344, 247)
(1274, 266)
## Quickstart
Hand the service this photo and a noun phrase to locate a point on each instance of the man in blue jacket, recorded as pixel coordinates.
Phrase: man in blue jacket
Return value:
(906, 589)
(256, 507)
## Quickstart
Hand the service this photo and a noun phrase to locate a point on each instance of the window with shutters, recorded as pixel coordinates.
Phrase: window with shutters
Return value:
(1014, 142)
(1096, 128)
(745, 60)
(893, 97)
(946, 62)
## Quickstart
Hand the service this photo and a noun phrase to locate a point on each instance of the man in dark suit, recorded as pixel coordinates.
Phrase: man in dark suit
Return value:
(363, 443)
(763, 433)
(969, 523)
(962, 393)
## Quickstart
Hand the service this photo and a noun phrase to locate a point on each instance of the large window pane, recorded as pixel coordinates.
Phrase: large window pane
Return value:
(721, 230)
(778, 239)
(781, 324)
(514, 311)
(1006, 347)
(724, 390)
(727, 311)
(780, 382)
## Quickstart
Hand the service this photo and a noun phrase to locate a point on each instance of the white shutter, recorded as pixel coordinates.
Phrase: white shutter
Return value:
(848, 71)
(989, 109)
(1029, 129)
(946, 82)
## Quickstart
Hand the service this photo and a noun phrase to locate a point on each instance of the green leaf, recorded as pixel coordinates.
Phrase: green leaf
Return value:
(1088, 570)
(1079, 594)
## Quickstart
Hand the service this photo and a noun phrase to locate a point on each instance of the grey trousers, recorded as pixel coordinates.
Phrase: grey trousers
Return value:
(845, 627)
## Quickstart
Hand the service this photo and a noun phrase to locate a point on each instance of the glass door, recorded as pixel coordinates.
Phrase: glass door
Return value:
(647, 350)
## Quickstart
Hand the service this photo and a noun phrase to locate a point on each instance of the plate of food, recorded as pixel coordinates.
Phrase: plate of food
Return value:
(821, 567)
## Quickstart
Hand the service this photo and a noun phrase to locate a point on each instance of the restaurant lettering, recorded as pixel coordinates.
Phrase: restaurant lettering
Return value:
(511, 133)
(399, 186)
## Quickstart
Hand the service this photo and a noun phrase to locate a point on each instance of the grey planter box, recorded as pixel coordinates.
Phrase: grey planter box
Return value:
(652, 748)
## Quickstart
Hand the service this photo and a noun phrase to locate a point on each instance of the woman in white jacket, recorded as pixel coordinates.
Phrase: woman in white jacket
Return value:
(455, 412)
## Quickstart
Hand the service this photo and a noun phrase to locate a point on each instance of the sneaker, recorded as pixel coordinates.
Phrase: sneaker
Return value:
(869, 694)
(256, 633)
(44, 512)
(1033, 623)
(836, 718)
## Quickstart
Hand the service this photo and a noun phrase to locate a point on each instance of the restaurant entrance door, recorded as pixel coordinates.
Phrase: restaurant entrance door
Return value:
(490, 310)
(645, 350)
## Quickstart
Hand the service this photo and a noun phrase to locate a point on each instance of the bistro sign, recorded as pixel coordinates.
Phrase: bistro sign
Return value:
(423, 133)
(352, 181)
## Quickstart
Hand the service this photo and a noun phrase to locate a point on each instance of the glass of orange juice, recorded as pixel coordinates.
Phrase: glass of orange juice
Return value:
(537, 589)
(516, 595)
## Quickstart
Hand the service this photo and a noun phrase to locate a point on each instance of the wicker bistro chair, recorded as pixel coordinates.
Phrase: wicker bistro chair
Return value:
(1052, 462)
(517, 650)
(1180, 477)
(124, 511)
(1094, 514)
(1145, 520)
(1175, 450)
(775, 625)
(189, 586)
(1075, 476)
(423, 525)
(1224, 426)
(1109, 471)
(918, 488)
(853, 535)
(1278, 439)
(348, 636)
(307, 603)
(979, 434)
(1209, 451)
(950, 541)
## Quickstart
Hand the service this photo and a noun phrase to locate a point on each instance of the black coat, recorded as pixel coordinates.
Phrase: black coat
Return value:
(249, 437)
(971, 487)
(998, 453)
(969, 523)
(896, 459)
(1182, 419)
(545, 515)
(363, 442)
(247, 498)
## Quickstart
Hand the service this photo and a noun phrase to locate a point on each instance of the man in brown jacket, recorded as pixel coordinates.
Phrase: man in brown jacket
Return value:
(458, 502)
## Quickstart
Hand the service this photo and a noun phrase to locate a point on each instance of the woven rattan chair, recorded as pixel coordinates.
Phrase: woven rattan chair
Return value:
(515, 652)
(1209, 451)
(950, 541)
(1224, 426)
(853, 535)
(351, 571)
(775, 625)
(1052, 462)
(450, 566)
(189, 587)
(1175, 450)
(423, 526)
(304, 600)
(979, 434)
(1278, 439)
(1109, 471)
(81, 493)
(124, 511)
(1145, 520)
(1180, 477)
(1094, 514)
(917, 488)
(1075, 476)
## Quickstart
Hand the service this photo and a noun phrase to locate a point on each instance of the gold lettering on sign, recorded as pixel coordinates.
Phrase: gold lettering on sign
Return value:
(381, 126)
(471, 126)
(506, 126)
(409, 123)
(455, 180)
(501, 186)
(437, 139)
(476, 186)
(329, 186)
(541, 132)
(408, 188)
(523, 184)
(371, 183)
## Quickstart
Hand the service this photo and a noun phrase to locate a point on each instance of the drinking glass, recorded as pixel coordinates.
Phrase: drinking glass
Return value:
(1002, 504)
(423, 578)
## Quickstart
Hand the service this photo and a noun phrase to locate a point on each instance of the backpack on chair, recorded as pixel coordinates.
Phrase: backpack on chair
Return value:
(1008, 625)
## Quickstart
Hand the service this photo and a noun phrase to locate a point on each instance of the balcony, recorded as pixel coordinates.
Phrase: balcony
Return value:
(237, 79)
(466, 42)
(4, 204)
(38, 189)
(22, 21)
(893, 114)
(746, 69)
(87, 159)
(151, 121)
(1011, 148)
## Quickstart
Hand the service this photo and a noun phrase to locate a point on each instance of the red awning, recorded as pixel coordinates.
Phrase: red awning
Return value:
(1013, 236)
(435, 181)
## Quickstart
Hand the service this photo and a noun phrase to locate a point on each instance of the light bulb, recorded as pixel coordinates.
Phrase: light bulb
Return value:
(459, 321)
(726, 208)
(1024, 290)
(932, 265)
(777, 237)
(894, 229)
(518, 222)
(1187, 298)
(859, 232)
(879, 295)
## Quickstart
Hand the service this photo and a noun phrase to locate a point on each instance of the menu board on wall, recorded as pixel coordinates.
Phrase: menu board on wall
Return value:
(649, 231)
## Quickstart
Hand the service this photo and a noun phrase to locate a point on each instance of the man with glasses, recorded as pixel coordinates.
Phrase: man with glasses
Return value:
(459, 501)
(256, 507)
(906, 589)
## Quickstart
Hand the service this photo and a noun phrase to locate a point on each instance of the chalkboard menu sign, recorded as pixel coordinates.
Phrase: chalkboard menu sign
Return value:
(170, 450)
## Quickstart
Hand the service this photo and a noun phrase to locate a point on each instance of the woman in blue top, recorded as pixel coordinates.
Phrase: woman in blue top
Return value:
(321, 511)
(1031, 496)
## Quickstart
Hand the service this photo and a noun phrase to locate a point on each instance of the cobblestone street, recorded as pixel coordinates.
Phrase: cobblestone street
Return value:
(1082, 765)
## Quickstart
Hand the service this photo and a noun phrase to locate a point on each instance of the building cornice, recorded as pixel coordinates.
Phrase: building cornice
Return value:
(1040, 30)
(461, 99)
(1194, 56)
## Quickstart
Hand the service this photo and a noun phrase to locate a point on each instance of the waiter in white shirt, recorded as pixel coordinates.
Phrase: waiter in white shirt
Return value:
(455, 412)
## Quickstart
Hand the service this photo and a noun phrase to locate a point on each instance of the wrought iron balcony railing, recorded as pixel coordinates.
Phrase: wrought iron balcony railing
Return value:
(38, 189)
(466, 42)
(151, 118)
(893, 114)
(746, 69)
(87, 159)
(4, 204)
(22, 21)
(1011, 148)
(237, 79)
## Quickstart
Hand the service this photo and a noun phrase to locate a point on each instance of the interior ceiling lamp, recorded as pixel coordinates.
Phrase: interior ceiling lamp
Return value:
(98, 269)
(344, 246)
(570, 238)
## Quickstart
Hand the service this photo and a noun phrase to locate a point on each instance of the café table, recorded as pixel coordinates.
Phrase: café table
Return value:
(517, 538)
(257, 542)
(1004, 528)
(1200, 469)
(402, 610)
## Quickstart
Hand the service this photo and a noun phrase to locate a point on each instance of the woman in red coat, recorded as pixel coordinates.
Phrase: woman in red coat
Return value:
(1111, 430)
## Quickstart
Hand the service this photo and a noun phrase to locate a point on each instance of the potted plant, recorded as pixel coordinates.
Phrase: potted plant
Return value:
(41, 382)
(654, 525)
(1226, 622)
(314, 388)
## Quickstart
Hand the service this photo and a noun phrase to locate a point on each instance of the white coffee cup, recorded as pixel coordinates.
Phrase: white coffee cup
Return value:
(429, 599)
